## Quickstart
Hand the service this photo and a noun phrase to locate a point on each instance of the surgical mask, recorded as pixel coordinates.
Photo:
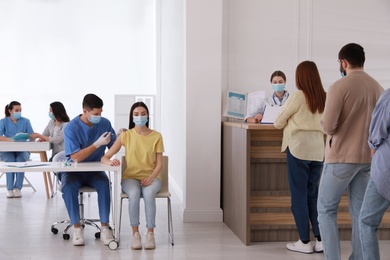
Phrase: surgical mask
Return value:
(51, 115)
(17, 115)
(343, 73)
(94, 119)
(140, 121)
(278, 87)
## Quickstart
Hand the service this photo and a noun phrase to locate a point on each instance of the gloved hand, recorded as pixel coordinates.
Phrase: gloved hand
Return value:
(104, 139)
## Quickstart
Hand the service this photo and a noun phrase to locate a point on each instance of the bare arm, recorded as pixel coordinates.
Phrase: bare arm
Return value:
(5, 139)
(83, 153)
(113, 150)
(254, 120)
(156, 171)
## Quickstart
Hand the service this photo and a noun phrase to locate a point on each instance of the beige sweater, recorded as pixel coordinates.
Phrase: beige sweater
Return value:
(302, 132)
(347, 116)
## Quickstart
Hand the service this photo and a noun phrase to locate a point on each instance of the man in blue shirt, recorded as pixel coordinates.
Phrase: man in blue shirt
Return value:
(377, 197)
(86, 138)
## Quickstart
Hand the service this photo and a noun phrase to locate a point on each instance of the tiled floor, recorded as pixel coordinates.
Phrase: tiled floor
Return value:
(26, 235)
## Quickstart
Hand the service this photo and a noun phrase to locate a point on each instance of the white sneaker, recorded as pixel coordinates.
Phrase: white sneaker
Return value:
(150, 242)
(78, 236)
(106, 235)
(18, 193)
(136, 243)
(300, 247)
(318, 247)
(10, 194)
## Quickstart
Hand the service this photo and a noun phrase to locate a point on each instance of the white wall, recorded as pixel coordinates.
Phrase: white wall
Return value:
(203, 115)
(62, 50)
(173, 91)
(268, 35)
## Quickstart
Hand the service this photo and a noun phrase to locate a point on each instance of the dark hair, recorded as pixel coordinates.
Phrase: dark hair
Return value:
(92, 101)
(354, 54)
(10, 106)
(59, 111)
(307, 79)
(278, 73)
(134, 106)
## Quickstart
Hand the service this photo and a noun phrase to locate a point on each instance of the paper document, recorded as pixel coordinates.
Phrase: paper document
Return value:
(25, 164)
(270, 114)
(255, 101)
(236, 104)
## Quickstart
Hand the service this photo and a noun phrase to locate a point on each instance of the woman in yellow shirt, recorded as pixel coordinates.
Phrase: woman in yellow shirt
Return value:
(143, 154)
(303, 141)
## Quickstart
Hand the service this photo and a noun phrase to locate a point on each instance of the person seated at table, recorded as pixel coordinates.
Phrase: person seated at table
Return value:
(54, 131)
(280, 95)
(86, 138)
(143, 149)
(12, 124)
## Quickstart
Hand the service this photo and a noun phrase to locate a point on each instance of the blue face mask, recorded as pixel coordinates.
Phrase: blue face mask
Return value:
(278, 87)
(51, 115)
(17, 115)
(140, 121)
(94, 119)
(342, 74)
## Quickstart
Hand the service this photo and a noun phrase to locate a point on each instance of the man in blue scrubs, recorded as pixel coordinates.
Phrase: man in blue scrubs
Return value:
(86, 138)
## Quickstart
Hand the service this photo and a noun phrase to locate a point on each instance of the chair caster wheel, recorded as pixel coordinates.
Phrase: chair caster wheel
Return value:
(66, 236)
(113, 245)
(54, 231)
(97, 235)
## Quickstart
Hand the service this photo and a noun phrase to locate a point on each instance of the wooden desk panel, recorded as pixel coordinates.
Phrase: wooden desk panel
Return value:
(255, 191)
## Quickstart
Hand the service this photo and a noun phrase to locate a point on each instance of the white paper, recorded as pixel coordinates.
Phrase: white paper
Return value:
(270, 114)
(254, 101)
(26, 164)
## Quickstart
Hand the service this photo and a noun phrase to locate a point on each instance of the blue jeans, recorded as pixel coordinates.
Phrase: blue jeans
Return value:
(15, 157)
(73, 181)
(134, 190)
(373, 208)
(303, 177)
(336, 178)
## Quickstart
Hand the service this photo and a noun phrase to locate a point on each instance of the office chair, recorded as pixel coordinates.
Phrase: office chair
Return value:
(163, 193)
(60, 157)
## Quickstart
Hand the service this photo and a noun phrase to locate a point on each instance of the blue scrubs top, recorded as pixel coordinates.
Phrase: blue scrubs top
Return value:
(78, 135)
(9, 129)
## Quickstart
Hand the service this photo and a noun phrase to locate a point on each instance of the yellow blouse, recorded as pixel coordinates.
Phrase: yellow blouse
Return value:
(302, 132)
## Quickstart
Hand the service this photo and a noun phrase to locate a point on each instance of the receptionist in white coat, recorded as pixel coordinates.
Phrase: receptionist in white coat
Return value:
(280, 95)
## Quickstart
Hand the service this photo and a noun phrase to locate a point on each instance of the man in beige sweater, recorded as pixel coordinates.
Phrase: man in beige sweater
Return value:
(346, 119)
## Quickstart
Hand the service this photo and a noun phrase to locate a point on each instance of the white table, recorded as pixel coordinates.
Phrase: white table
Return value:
(80, 167)
(33, 147)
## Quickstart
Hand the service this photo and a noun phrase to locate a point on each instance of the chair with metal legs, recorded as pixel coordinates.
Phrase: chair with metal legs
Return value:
(163, 193)
(60, 157)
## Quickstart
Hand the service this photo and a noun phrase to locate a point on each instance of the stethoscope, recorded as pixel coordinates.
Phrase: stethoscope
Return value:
(276, 103)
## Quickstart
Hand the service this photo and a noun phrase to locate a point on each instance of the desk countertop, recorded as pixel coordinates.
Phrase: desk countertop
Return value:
(56, 167)
(24, 146)
(250, 126)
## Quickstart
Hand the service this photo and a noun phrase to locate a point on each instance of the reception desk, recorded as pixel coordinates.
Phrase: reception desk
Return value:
(255, 191)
